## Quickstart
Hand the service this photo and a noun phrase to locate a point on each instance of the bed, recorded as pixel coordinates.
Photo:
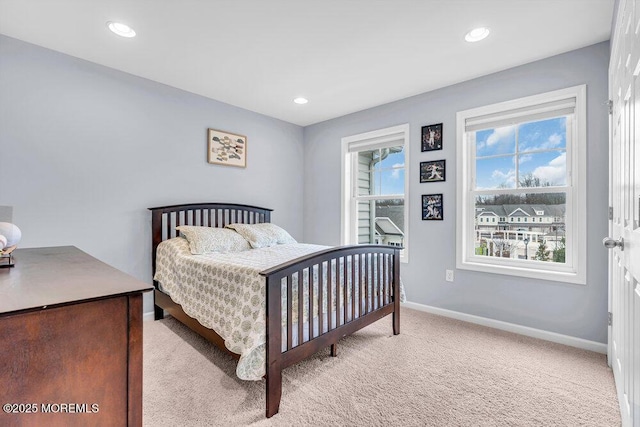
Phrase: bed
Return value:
(306, 303)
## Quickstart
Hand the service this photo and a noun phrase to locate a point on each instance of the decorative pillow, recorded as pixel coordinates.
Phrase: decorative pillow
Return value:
(204, 240)
(263, 235)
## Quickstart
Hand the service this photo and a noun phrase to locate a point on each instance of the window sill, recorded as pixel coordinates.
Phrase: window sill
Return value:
(519, 271)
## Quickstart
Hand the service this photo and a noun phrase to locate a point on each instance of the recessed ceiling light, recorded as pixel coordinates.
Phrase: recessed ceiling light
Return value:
(477, 34)
(301, 100)
(121, 29)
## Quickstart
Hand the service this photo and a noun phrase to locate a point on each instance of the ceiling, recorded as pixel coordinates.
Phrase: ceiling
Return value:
(343, 55)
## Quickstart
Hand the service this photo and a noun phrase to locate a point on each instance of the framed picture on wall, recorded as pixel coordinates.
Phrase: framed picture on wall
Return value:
(224, 148)
(432, 137)
(432, 207)
(433, 171)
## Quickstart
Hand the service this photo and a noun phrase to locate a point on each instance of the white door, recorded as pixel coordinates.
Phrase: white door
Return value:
(624, 196)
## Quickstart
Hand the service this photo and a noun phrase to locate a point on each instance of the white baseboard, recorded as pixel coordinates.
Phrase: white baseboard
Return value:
(512, 327)
(148, 316)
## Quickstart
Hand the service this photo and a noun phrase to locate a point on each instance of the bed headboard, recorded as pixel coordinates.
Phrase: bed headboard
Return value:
(165, 219)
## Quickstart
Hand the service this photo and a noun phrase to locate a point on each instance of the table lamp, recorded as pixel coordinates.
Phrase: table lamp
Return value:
(10, 236)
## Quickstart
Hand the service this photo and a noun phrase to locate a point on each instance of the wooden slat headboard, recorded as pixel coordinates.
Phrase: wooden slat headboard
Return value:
(165, 219)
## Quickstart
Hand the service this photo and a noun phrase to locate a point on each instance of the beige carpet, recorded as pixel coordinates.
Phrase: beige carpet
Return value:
(437, 372)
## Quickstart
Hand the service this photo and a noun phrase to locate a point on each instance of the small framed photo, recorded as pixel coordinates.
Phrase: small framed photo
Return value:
(433, 171)
(224, 148)
(432, 207)
(432, 137)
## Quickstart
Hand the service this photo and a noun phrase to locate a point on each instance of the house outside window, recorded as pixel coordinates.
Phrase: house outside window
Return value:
(374, 171)
(524, 159)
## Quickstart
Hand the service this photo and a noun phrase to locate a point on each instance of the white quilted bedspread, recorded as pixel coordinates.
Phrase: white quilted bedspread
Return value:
(234, 306)
(226, 293)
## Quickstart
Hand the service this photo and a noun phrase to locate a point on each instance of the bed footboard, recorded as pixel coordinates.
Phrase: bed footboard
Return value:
(326, 296)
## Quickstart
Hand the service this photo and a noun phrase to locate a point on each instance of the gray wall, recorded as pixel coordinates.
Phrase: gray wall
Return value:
(575, 310)
(85, 150)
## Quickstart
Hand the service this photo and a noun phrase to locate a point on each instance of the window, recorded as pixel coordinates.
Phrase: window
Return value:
(374, 171)
(524, 158)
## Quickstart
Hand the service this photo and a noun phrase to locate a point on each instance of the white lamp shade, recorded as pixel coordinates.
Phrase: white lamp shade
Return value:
(11, 234)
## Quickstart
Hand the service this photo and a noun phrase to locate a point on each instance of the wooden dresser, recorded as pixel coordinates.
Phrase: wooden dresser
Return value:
(70, 341)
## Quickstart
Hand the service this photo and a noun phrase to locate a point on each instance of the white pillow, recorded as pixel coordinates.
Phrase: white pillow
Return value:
(204, 240)
(263, 235)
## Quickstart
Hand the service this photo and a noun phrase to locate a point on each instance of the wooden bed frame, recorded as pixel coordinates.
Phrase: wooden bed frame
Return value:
(375, 287)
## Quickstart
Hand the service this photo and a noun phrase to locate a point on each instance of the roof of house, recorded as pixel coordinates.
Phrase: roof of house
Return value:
(395, 213)
(385, 226)
(522, 210)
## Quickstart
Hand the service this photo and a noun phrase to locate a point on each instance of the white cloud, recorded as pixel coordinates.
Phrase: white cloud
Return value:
(555, 172)
(500, 135)
(525, 158)
(561, 160)
(396, 172)
(499, 177)
(554, 141)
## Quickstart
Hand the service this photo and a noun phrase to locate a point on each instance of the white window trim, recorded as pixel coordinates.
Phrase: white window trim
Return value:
(346, 205)
(576, 197)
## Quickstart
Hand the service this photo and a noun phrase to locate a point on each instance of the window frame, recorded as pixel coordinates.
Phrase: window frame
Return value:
(348, 205)
(574, 269)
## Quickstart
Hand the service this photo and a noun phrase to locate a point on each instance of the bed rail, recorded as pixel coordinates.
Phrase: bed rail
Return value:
(342, 290)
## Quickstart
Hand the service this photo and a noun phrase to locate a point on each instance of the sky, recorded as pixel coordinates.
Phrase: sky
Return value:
(539, 148)
(390, 179)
